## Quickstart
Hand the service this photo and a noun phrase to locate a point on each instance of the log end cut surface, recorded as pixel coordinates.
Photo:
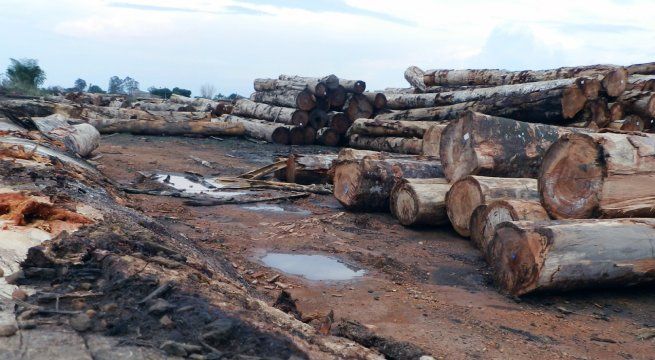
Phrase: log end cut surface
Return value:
(462, 199)
(346, 183)
(571, 178)
(455, 150)
(404, 204)
(516, 259)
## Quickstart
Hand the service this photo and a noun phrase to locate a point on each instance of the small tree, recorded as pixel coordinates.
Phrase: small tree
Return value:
(161, 92)
(95, 89)
(79, 86)
(181, 92)
(207, 91)
(115, 85)
(24, 75)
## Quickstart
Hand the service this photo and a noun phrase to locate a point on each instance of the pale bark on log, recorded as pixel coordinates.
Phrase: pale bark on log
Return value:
(639, 103)
(328, 137)
(339, 122)
(410, 101)
(641, 83)
(199, 103)
(99, 112)
(81, 139)
(353, 86)
(374, 127)
(276, 114)
(417, 202)
(389, 144)
(358, 107)
(599, 175)
(330, 81)
(260, 129)
(415, 77)
(348, 154)
(316, 87)
(484, 223)
(150, 106)
(309, 169)
(432, 140)
(159, 127)
(478, 144)
(302, 100)
(378, 99)
(366, 184)
(565, 255)
(467, 194)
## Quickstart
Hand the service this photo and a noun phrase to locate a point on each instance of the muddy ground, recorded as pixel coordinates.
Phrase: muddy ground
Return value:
(429, 287)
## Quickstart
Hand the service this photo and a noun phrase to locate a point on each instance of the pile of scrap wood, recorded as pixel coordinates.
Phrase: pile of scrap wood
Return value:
(304, 110)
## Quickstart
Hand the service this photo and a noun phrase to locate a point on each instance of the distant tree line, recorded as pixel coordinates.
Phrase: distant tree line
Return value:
(25, 76)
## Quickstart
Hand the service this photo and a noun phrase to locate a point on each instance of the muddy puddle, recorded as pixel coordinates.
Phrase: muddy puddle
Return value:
(312, 267)
(196, 187)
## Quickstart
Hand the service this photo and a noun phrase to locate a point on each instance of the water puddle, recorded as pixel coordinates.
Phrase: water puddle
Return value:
(196, 187)
(312, 267)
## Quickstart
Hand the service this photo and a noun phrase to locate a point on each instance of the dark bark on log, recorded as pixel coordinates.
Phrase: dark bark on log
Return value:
(564, 255)
(599, 175)
(388, 144)
(158, 127)
(261, 129)
(366, 184)
(378, 99)
(642, 69)
(417, 202)
(337, 98)
(309, 169)
(478, 144)
(318, 119)
(472, 191)
(327, 137)
(283, 115)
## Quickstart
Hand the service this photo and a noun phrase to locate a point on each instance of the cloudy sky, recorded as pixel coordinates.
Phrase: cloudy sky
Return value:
(228, 43)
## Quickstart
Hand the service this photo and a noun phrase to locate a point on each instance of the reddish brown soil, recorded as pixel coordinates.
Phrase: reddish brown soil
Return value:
(427, 286)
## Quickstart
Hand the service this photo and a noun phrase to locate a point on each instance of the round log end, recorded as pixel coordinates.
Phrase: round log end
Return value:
(300, 118)
(591, 88)
(328, 137)
(404, 204)
(309, 135)
(380, 101)
(305, 100)
(573, 101)
(464, 196)
(650, 106)
(281, 135)
(515, 258)
(318, 118)
(360, 87)
(456, 149)
(340, 123)
(615, 82)
(432, 140)
(347, 177)
(359, 107)
(571, 177)
(633, 123)
(297, 136)
(600, 113)
(320, 89)
(476, 225)
(617, 111)
(337, 98)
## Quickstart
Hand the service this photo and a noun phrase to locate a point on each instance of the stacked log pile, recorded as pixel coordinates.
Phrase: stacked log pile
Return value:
(313, 110)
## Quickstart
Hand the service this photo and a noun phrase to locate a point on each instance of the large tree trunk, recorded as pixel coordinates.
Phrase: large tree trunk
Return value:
(159, 127)
(420, 201)
(373, 127)
(639, 103)
(486, 217)
(564, 255)
(478, 144)
(614, 77)
(330, 81)
(339, 122)
(389, 144)
(366, 184)
(261, 129)
(599, 175)
(81, 139)
(303, 100)
(358, 107)
(472, 191)
(378, 99)
(314, 86)
(432, 140)
(353, 86)
(284, 115)
(410, 101)
(309, 169)
(328, 137)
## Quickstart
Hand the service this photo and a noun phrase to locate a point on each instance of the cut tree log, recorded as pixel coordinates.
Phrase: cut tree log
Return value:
(348, 154)
(81, 139)
(159, 127)
(302, 100)
(339, 122)
(614, 77)
(577, 94)
(201, 104)
(353, 86)
(389, 144)
(478, 144)
(563, 255)
(337, 98)
(328, 137)
(318, 119)
(261, 129)
(417, 202)
(283, 115)
(309, 169)
(432, 140)
(323, 104)
(641, 83)
(617, 111)
(223, 107)
(366, 184)
(374, 127)
(378, 99)
(102, 112)
(600, 112)
(484, 222)
(358, 107)
(472, 191)
(309, 135)
(642, 69)
(599, 175)
(410, 101)
(314, 86)
(150, 106)
(639, 103)
(630, 123)
(330, 81)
